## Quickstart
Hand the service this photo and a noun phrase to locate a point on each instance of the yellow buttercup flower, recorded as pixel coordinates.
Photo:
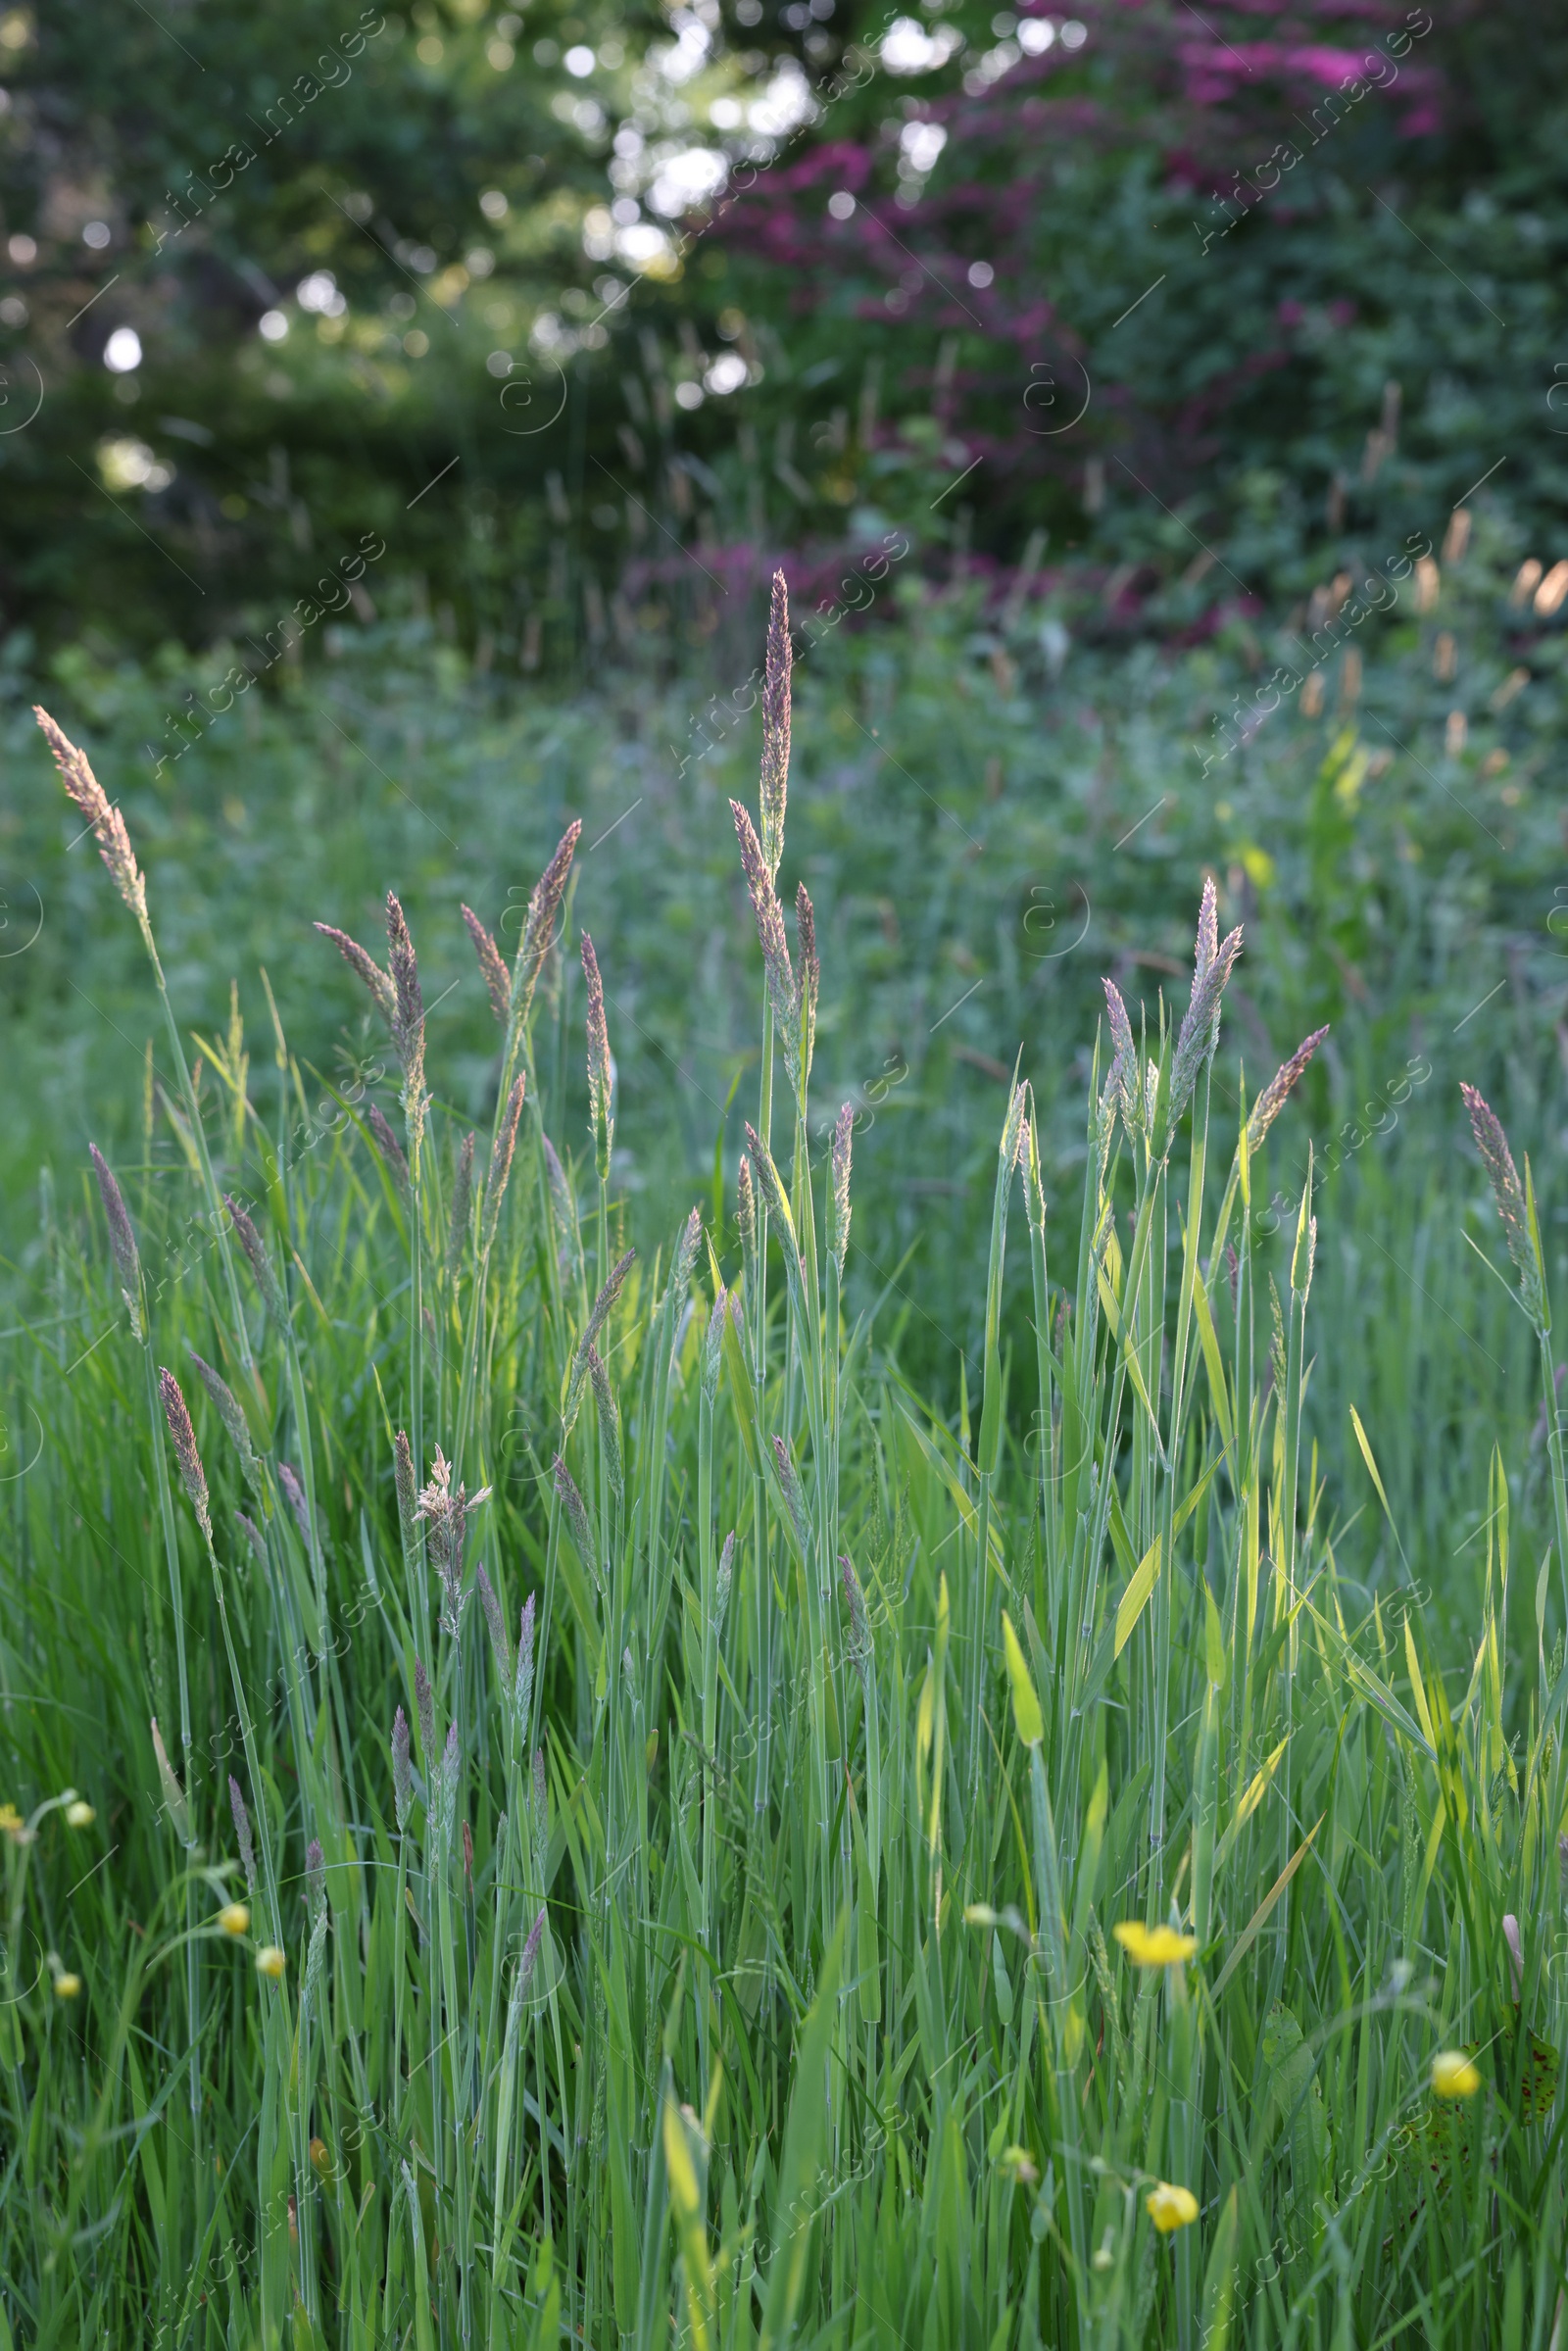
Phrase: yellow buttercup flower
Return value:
(10, 1819)
(1153, 1946)
(1170, 2206)
(80, 1815)
(270, 1961)
(1453, 2075)
(67, 1986)
(235, 1918)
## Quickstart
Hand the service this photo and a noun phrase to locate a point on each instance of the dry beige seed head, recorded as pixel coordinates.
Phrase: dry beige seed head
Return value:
(108, 825)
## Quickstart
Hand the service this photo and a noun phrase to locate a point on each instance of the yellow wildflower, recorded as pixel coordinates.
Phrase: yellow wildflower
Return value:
(80, 1815)
(67, 1986)
(1153, 1946)
(1453, 2075)
(10, 1819)
(235, 1918)
(270, 1961)
(320, 2156)
(1170, 2206)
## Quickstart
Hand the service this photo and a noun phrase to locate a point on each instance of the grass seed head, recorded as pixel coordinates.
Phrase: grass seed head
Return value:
(107, 824)
(315, 1879)
(773, 792)
(424, 1708)
(231, 1416)
(839, 1219)
(390, 1149)
(601, 1068)
(492, 965)
(461, 1206)
(1198, 1035)
(1509, 1194)
(496, 1624)
(256, 1255)
(577, 1519)
(402, 1770)
(505, 1143)
(746, 1211)
(122, 1236)
(522, 1694)
(539, 926)
(723, 1580)
(361, 961)
(242, 1831)
(288, 1479)
(1271, 1101)
(192, 1476)
(782, 989)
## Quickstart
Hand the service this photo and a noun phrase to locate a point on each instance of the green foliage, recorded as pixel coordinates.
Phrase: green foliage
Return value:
(738, 1965)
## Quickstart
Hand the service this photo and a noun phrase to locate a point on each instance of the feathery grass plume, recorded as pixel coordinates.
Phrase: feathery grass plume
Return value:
(447, 1786)
(501, 1151)
(492, 964)
(597, 1319)
(461, 1206)
(782, 990)
(496, 1624)
(838, 1231)
(746, 1213)
(522, 1692)
(810, 979)
(407, 1502)
(173, 1793)
(1198, 1034)
(1122, 1096)
(723, 1581)
(601, 1068)
(1515, 1208)
(609, 1424)
(288, 1479)
(121, 1237)
(685, 1259)
(192, 1476)
(261, 1264)
(407, 1022)
(242, 1831)
(107, 824)
(577, 1519)
(539, 926)
(402, 1770)
(253, 1536)
(789, 1486)
(773, 789)
(232, 1418)
(424, 1708)
(1271, 1101)
(858, 1645)
(446, 1515)
(1206, 945)
(530, 1953)
(360, 959)
(714, 1342)
(390, 1149)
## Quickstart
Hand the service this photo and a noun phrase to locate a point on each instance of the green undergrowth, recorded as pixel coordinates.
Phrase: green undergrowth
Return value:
(596, 1809)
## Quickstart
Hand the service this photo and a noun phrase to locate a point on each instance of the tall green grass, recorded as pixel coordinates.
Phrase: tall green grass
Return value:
(615, 1819)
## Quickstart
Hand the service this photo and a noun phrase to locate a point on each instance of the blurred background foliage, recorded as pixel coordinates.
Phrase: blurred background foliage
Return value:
(559, 298)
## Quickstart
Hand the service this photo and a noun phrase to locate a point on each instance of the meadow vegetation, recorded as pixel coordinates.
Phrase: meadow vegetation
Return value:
(564, 1775)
